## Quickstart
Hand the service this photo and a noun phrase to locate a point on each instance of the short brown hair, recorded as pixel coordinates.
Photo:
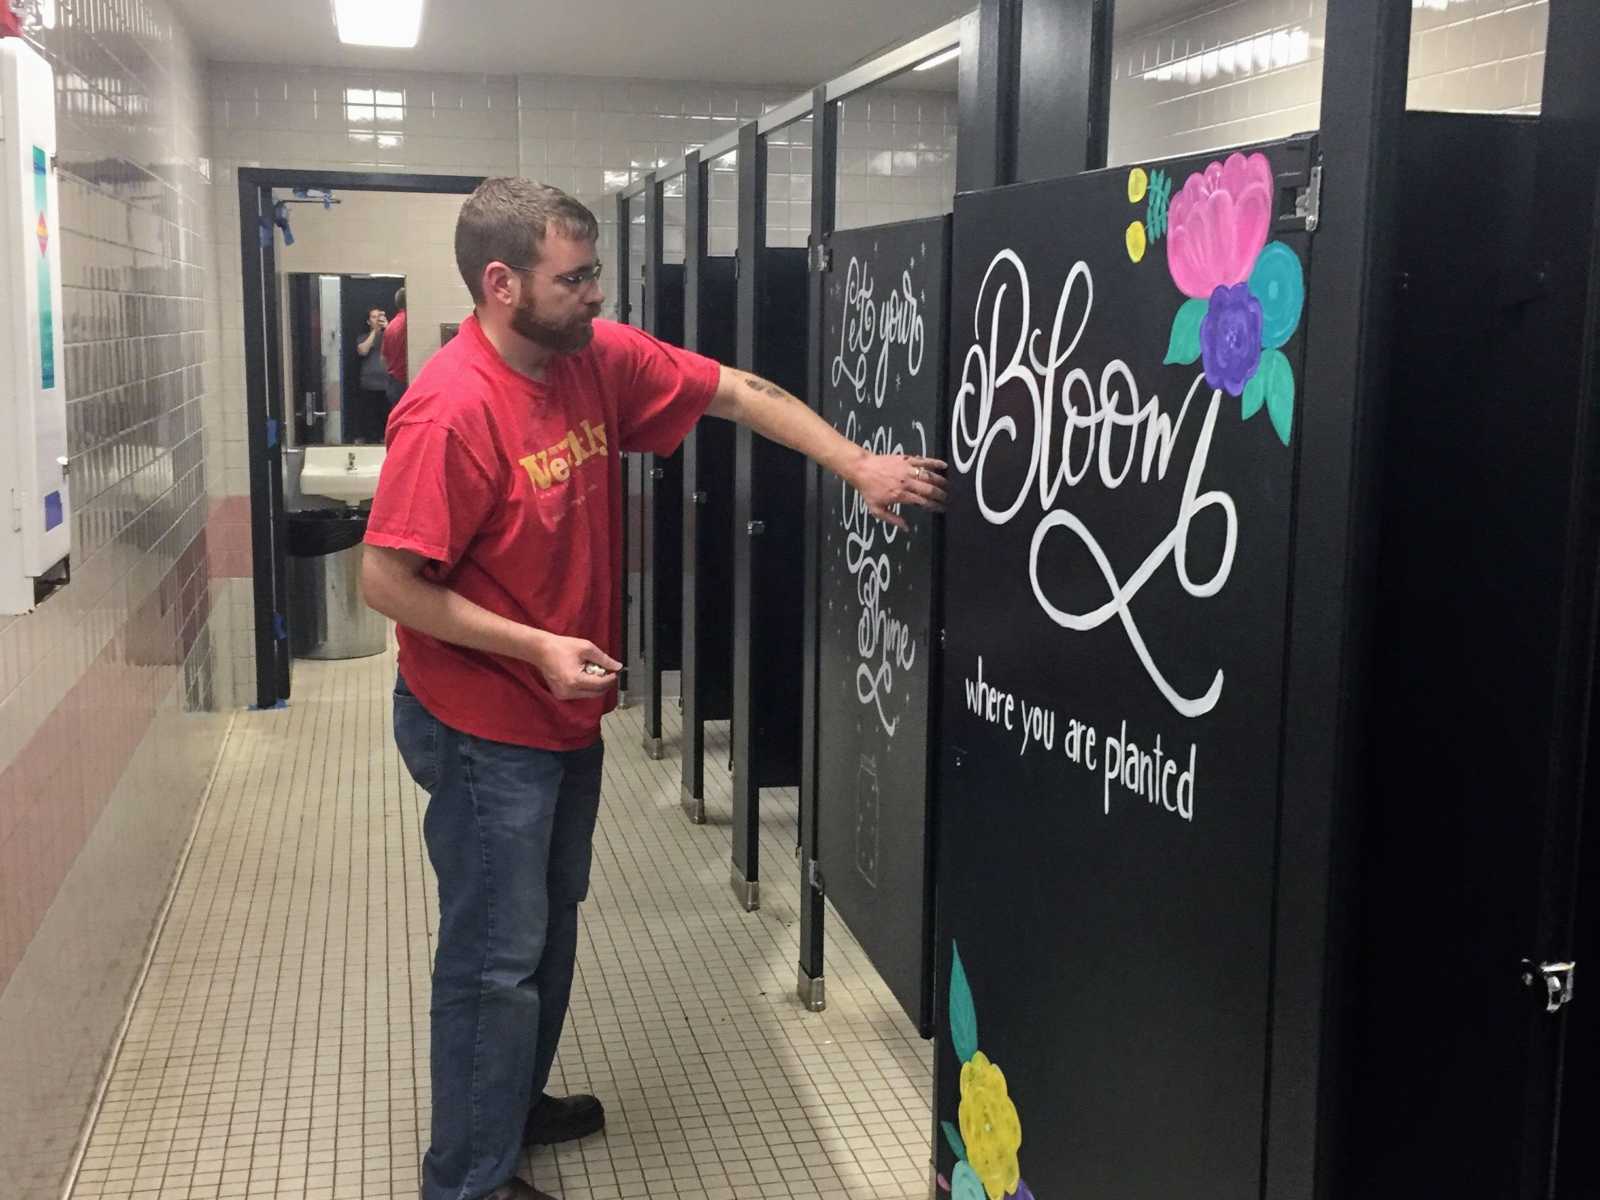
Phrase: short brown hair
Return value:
(505, 221)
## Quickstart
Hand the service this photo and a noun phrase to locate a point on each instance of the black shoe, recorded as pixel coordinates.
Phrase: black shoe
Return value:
(517, 1189)
(567, 1120)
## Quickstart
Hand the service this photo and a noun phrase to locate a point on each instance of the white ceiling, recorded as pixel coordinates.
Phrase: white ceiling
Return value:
(792, 42)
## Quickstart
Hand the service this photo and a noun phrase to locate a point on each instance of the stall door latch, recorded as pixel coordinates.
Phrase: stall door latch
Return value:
(1557, 980)
(1308, 201)
(821, 258)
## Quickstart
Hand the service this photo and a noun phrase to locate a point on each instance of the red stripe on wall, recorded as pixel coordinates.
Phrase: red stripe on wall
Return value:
(52, 795)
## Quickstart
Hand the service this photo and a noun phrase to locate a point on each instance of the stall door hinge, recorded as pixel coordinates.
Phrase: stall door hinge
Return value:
(1557, 981)
(821, 258)
(814, 877)
(1308, 201)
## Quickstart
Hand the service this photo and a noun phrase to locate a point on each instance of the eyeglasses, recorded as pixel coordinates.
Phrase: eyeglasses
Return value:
(571, 279)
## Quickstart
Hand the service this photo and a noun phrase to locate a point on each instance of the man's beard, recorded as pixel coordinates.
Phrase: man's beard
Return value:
(562, 339)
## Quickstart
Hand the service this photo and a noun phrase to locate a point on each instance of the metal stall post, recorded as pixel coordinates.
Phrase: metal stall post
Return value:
(651, 474)
(986, 146)
(1332, 557)
(812, 986)
(1063, 98)
(624, 313)
(747, 530)
(693, 744)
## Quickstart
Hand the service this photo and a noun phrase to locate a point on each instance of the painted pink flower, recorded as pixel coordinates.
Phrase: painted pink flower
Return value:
(1217, 225)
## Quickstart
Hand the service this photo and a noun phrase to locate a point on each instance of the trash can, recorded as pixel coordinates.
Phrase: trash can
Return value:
(327, 617)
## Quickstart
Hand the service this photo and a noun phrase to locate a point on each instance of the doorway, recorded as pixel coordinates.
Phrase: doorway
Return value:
(265, 197)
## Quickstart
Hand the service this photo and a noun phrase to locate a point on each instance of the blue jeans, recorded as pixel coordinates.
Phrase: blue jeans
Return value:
(509, 832)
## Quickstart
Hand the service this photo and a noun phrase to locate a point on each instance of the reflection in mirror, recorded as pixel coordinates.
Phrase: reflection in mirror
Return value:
(348, 356)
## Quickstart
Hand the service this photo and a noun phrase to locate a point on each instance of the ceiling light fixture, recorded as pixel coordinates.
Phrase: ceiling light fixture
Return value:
(938, 60)
(393, 23)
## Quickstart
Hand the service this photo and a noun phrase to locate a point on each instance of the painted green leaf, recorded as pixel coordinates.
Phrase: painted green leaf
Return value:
(963, 1016)
(1277, 380)
(953, 1136)
(1184, 344)
(1255, 394)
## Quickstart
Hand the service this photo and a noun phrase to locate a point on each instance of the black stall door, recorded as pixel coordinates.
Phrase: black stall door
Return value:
(1126, 349)
(883, 384)
(708, 540)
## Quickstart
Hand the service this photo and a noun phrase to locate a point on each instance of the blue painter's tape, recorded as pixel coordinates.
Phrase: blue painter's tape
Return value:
(54, 511)
(280, 627)
(272, 433)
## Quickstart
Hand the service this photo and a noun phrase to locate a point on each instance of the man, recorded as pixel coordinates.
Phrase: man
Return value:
(495, 543)
(394, 352)
(364, 421)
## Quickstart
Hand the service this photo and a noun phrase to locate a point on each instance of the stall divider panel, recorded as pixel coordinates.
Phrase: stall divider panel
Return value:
(1454, 557)
(811, 983)
(661, 485)
(769, 526)
(1124, 454)
(885, 329)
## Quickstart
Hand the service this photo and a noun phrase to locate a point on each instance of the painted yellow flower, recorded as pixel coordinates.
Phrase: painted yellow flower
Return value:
(1136, 241)
(1138, 182)
(990, 1127)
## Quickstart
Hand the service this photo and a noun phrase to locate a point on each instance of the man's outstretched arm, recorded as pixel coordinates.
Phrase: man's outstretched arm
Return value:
(882, 479)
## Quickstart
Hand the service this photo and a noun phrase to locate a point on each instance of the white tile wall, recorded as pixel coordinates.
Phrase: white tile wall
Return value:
(897, 156)
(1478, 55)
(1236, 71)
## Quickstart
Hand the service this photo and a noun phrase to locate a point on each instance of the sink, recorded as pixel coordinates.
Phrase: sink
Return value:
(346, 473)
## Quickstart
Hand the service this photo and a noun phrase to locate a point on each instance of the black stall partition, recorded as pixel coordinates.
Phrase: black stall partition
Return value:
(769, 570)
(1479, 693)
(1126, 350)
(883, 388)
(708, 539)
(661, 522)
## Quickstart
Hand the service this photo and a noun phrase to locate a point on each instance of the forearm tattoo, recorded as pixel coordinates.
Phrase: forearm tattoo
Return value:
(768, 389)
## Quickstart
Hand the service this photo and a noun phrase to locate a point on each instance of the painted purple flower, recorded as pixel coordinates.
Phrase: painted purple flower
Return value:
(1230, 338)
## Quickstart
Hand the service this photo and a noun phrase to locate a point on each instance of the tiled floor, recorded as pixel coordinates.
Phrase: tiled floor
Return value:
(279, 1045)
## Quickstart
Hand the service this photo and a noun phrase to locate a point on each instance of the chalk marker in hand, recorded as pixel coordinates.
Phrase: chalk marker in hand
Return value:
(594, 669)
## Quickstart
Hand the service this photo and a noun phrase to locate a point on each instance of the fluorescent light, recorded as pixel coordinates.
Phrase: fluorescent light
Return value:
(938, 60)
(393, 23)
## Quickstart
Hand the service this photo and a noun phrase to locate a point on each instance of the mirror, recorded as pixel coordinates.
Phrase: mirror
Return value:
(347, 356)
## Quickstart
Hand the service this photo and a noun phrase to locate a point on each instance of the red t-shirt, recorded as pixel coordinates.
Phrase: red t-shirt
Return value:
(513, 488)
(394, 348)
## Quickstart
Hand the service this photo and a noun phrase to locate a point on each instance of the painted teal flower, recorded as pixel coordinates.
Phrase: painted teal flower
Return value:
(1160, 193)
(1278, 281)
